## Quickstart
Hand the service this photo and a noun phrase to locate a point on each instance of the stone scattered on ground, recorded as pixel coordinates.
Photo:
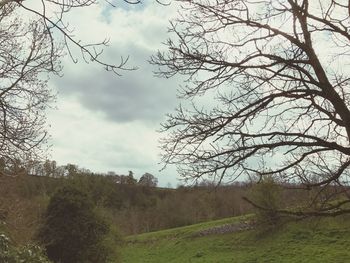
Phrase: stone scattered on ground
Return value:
(224, 229)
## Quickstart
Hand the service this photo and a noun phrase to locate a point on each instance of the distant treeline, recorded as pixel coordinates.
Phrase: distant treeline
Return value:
(134, 206)
(50, 168)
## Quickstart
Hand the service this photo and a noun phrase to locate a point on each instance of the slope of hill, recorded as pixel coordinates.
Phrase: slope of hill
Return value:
(237, 240)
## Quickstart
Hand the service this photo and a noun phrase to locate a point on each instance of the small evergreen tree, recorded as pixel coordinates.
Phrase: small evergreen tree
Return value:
(74, 232)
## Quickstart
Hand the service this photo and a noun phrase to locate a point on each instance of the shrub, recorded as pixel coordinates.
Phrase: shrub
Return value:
(27, 254)
(267, 195)
(73, 230)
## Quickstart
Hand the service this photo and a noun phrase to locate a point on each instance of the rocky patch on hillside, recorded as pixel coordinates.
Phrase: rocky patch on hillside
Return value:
(224, 229)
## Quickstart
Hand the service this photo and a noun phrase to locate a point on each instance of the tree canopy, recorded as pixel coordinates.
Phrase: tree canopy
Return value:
(267, 83)
(149, 180)
(73, 231)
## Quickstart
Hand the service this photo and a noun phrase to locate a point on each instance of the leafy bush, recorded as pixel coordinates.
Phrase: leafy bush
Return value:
(74, 231)
(267, 195)
(26, 254)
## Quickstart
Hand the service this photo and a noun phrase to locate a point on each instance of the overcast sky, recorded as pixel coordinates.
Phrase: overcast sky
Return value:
(108, 123)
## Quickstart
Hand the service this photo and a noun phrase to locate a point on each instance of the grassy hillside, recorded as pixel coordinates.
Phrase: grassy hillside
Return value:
(315, 240)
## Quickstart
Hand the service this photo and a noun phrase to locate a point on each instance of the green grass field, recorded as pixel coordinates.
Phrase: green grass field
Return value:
(313, 240)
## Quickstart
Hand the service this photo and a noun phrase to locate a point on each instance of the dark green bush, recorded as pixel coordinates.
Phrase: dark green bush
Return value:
(73, 230)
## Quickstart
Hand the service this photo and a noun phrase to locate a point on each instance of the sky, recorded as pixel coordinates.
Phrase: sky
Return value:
(106, 122)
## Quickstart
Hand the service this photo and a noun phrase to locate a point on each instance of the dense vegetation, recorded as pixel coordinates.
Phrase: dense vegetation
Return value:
(74, 231)
(11, 254)
(133, 207)
(55, 211)
(59, 211)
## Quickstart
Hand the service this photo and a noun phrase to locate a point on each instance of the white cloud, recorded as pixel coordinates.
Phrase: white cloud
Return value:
(105, 122)
(88, 139)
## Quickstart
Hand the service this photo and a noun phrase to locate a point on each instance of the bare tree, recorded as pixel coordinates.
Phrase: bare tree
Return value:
(52, 14)
(33, 37)
(25, 54)
(268, 82)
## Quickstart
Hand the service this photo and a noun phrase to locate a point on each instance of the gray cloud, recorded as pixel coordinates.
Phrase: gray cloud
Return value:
(137, 95)
(105, 122)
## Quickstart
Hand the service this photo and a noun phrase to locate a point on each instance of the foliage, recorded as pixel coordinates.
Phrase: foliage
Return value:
(27, 254)
(23, 200)
(131, 207)
(267, 196)
(73, 231)
(148, 180)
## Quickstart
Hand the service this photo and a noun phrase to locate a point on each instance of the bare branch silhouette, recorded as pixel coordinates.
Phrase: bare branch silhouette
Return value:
(274, 77)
